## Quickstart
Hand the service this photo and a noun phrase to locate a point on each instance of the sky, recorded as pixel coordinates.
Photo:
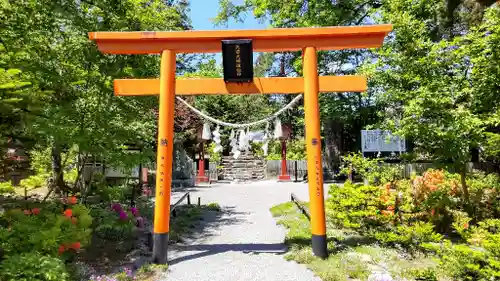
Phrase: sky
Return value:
(203, 11)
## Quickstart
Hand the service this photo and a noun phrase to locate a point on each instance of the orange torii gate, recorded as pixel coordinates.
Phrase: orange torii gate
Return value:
(168, 44)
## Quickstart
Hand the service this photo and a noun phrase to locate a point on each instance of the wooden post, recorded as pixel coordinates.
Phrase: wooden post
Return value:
(296, 171)
(313, 146)
(284, 173)
(201, 164)
(164, 157)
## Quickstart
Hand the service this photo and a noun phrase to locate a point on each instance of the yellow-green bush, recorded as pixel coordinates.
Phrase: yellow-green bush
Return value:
(6, 188)
(33, 266)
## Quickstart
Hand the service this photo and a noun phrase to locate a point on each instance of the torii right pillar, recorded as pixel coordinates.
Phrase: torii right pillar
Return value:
(313, 147)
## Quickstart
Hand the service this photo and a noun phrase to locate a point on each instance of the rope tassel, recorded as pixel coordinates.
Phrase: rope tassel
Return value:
(206, 135)
(216, 139)
(265, 139)
(242, 140)
(234, 145)
(278, 130)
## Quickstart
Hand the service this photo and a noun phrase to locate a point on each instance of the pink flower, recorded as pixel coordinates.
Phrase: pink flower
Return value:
(116, 207)
(134, 211)
(123, 215)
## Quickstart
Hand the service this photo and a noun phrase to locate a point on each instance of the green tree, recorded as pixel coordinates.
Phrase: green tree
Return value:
(48, 41)
(434, 84)
(484, 54)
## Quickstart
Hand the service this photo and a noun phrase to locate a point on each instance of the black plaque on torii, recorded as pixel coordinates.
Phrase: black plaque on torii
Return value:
(237, 60)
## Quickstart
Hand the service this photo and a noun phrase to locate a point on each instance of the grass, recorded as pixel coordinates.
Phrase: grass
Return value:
(352, 256)
(150, 272)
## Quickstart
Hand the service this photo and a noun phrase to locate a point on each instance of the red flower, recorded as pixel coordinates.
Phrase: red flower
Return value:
(61, 249)
(75, 246)
(27, 212)
(35, 211)
(68, 213)
(72, 200)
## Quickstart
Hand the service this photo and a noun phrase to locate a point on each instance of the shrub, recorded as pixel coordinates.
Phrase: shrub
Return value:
(372, 169)
(115, 223)
(477, 260)
(6, 188)
(435, 196)
(33, 266)
(409, 236)
(436, 189)
(34, 182)
(355, 162)
(354, 205)
(484, 196)
(216, 156)
(295, 150)
(45, 231)
(427, 184)
(424, 274)
(214, 207)
(146, 208)
(465, 263)
(112, 193)
(115, 232)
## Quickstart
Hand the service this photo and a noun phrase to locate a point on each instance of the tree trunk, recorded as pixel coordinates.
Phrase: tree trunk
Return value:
(463, 181)
(57, 169)
(333, 144)
(85, 189)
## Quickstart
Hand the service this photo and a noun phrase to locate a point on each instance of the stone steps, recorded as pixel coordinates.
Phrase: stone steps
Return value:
(246, 168)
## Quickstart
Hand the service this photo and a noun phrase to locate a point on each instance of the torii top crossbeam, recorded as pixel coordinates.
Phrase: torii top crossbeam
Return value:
(269, 40)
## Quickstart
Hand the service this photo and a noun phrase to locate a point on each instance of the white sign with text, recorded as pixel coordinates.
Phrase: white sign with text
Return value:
(379, 140)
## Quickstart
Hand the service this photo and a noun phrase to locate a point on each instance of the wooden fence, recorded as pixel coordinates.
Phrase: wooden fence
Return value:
(274, 168)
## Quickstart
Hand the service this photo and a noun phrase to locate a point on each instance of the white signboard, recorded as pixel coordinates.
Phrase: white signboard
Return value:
(122, 173)
(378, 140)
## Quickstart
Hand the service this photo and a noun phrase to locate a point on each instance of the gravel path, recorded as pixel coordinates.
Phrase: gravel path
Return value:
(242, 242)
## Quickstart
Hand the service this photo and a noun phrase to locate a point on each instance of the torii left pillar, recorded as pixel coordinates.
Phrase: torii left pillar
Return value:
(164, 156)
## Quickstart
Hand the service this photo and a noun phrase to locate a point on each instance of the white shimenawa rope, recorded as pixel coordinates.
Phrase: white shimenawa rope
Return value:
(246, 125)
